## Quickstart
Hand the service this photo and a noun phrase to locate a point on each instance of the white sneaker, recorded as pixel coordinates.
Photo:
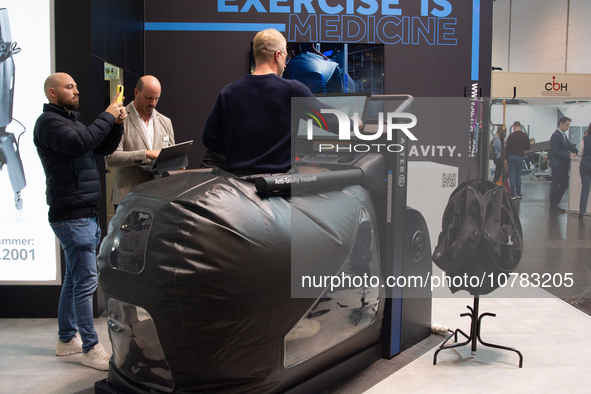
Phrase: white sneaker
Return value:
(304, 329)
(67, 348)
(97, 358)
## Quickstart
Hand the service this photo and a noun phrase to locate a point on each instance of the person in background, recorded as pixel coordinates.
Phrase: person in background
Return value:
(66, 148)
(529, 158)
(517, 144)
(561, 151)
(498, 160)
(585, 171)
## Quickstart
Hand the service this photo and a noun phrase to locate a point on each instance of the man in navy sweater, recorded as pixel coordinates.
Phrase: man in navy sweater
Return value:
(250, 124)
(66, 148)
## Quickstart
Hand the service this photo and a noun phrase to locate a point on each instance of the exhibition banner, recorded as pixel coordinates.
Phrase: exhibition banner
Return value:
(29, 253)
(541, 85)
(422, 48)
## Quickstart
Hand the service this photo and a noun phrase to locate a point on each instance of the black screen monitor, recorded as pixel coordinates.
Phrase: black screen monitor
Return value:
(386, 103)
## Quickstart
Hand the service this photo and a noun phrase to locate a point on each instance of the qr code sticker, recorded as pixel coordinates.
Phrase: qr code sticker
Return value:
(449, 180)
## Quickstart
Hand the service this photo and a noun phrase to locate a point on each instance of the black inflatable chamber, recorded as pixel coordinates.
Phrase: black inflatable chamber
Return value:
(196, 273)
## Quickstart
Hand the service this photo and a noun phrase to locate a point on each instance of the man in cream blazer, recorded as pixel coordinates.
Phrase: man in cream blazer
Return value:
(146, 132)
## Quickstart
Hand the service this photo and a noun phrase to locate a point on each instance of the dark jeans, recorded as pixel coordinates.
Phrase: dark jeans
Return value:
(585, 185)
(498, 168)
(515, 164)
(558, 186)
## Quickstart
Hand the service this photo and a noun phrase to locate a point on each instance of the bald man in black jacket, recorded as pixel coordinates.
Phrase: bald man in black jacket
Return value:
(66, 148)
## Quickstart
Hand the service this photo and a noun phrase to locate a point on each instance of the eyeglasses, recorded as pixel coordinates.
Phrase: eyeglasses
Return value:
(287, 58)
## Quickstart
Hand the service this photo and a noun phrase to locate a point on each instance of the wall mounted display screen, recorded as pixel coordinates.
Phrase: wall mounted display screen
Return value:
(337, 67)
(29, 254)
(331, 68)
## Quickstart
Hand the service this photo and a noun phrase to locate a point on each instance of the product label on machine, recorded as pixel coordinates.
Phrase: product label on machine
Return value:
(296, 179)
(389, 198)
(475, 113)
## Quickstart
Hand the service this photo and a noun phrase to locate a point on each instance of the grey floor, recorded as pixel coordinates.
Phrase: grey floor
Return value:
(28, 363)
(550, 328)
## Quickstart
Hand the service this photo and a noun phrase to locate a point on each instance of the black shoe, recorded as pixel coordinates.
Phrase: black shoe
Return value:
(581, 215)
(519, 196)
(557, 209)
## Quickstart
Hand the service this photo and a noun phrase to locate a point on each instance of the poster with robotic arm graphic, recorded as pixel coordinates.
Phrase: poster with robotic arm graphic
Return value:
(29, 254)
(9, 144)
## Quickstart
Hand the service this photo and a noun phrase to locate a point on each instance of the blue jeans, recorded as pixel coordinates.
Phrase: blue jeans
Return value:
(515, 164)
(79, 239)
(585, 186)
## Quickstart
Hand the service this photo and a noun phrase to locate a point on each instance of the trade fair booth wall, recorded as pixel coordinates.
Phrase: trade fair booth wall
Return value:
(541, 99)
(79, 38)
(429, 50)
(435, 51)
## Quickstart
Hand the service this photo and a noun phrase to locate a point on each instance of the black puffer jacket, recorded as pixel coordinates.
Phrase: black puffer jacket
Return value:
(66, 148)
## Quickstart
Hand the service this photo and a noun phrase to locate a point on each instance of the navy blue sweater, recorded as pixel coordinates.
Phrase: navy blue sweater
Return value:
(250, 123)
(66, 148)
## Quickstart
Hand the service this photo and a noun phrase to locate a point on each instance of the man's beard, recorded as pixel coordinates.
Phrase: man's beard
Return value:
(69, 105)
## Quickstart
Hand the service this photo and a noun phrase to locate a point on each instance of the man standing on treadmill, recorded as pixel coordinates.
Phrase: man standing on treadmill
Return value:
(250, 124)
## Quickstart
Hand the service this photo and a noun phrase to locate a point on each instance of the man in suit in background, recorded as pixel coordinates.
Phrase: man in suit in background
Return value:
(146, 132)
(560, 157)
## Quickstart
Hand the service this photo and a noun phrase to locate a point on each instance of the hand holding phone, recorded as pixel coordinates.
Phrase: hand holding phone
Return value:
(120, 91)
(116, 108)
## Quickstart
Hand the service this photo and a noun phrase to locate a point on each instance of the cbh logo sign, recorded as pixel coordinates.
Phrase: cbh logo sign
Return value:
(555, 88)
(344, 132)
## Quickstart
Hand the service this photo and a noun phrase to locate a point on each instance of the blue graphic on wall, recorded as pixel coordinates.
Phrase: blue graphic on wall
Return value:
(348, 22)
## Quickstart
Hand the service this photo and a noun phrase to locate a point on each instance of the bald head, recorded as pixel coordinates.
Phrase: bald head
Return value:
(269, 49)
(266, 43)
(147, 80)
(61, 89)
(147, 93)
